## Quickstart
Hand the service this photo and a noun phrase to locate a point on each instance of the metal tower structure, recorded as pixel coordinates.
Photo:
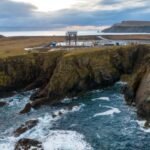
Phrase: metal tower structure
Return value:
(71, 38)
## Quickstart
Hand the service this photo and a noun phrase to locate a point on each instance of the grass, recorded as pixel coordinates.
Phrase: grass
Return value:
(12, 46)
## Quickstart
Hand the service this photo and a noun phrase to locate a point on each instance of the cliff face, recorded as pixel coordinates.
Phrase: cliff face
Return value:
(79, 71)
(28, 71)
(137, 91)
(88, 70)
(130, 26)
(70, 73)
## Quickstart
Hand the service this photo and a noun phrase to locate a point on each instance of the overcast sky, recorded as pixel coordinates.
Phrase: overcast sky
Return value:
(61, 14)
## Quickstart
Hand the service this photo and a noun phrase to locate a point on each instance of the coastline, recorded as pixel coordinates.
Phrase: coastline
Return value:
(61, 74)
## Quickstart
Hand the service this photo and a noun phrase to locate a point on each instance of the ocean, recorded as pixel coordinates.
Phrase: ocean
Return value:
(98, 120)
(61, 33)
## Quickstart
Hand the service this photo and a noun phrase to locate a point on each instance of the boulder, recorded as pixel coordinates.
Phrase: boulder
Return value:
(128, 93)
(147, 124)
(3, 104)
(25, 127)
(26, 109)
(28, 144)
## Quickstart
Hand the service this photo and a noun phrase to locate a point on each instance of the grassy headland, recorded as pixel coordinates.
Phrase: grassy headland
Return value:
(60, 74)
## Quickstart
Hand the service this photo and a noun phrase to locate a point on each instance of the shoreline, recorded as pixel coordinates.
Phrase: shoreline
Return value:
(61, 74)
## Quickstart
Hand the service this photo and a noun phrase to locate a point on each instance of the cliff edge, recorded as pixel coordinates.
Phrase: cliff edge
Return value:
(61, 74)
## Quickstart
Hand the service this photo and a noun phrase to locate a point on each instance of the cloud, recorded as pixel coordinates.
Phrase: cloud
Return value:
(13, 9)
(102, 12)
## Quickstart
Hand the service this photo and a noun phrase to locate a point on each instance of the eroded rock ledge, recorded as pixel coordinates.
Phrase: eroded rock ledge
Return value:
(70, 73)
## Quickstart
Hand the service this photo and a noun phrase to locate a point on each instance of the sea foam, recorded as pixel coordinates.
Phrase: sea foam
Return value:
(65, 140)
(43, 129)
(141, 124)
(108, 112)
(101, 98)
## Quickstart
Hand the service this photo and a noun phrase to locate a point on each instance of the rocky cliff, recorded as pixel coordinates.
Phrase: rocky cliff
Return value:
(70, 73)
(27, 71)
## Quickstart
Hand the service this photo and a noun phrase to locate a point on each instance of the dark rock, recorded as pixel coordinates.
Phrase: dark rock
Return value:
(3, 104)
(34, 96)
(60, 113)
(144, 109)
(128, 93)
(28, 144)
(6, 94)
(147, 124)
(54, 115)
(25, 127)
(26, 109)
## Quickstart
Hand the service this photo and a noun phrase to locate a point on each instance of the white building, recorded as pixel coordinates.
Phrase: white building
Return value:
(103, 41)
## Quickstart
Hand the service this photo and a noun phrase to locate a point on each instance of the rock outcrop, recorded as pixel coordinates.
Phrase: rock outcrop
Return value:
(28, 144)
(70, 73)
(25, 127)
(26, 109)
(2, 103)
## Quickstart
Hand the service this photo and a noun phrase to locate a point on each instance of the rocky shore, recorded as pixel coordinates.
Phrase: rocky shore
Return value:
(70, 73)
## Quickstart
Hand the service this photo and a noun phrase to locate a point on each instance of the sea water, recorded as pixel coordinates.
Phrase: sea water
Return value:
(8, 33)
(98, 120)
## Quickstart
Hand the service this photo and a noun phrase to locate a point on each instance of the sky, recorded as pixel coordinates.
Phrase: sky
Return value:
(71, 14)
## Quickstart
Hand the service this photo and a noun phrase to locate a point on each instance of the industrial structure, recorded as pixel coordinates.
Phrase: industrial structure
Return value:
(71, 38)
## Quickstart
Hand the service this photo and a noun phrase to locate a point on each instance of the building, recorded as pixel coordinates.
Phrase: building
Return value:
(106, 42)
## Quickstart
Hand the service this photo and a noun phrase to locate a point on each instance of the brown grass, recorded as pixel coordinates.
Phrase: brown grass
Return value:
(10, 46)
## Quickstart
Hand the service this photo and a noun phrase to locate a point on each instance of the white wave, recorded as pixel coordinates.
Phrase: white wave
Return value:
(121, 83)
(66, 100)
(101, 98)
(40, 131)
(96, 91)
(18, 101)
(8, 144)
(47, 121)
(141, 124)
(108, 112)
(118, 96)
(65, 140)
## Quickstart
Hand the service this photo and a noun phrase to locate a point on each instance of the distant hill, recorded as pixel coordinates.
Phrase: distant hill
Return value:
(130, 26)
(1, 36)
